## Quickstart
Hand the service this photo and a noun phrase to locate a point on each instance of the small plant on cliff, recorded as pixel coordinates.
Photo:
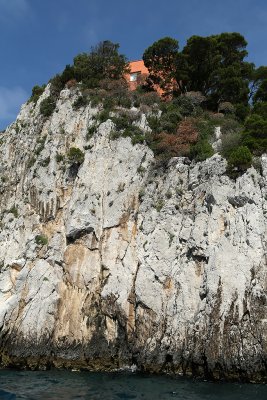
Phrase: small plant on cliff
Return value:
(31, 162)
(81, 101)
(41, 240)
(37, 91)
(47, 106)
(13, 210)
(41, 145)
(59, 157)
(91, 131)
(75, 156)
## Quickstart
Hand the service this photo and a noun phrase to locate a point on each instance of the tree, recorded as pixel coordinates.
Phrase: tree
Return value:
(261, 92)
(106, 62)
(81, 66)
(216, 67)
(255, 136)
(232, 48)
(259, 75)
(233, 75)
(200, 57)
(160, 60)
(103, 62)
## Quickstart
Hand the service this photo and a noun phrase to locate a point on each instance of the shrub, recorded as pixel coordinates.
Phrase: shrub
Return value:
(185, 104)
(260, 109)
(121, 121)
(136, 134)
(91, 131)
(187, 131)
(141, 194)
(37, 91)
(201, 150)
(229, 124)
(226, 108)
(256, 126)
(196, 98)
(154, 123)
(81, 101)
(149, 98)
(31, 162)
(124, 102)
(59, 157)
(242, 111)
(108, 103)
(230, 141)
(95, 100)
(240, 158)
(41, 144)
(169, 121)
(47, 106)
(255, 137)
(41, 240)
(159, 205)
(56, 85)
(103, 116)
(71, 83)
(167, 145)
(13, 210)
(75, 155)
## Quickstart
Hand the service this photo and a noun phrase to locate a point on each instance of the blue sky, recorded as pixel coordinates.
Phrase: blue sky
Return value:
(39, 37)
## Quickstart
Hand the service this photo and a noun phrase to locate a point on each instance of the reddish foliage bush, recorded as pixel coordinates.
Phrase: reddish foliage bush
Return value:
(170, 145)
(187, 132)
(177, 144)
(71, 83)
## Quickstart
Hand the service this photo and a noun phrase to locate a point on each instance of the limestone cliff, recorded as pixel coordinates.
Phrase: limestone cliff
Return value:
(117, 262)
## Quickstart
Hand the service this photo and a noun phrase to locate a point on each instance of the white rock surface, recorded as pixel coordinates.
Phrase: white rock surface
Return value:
(165, 269)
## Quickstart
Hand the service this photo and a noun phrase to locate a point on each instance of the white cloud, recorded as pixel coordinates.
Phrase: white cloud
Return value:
(10, 9)
(11, 100)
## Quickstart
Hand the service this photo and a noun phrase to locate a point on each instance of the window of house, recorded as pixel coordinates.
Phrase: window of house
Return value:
(134, 76)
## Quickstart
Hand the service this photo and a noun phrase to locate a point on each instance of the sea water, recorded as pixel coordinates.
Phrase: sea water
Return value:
(56, 385)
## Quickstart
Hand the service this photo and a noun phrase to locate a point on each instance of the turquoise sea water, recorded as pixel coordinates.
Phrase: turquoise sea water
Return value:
(57, 385)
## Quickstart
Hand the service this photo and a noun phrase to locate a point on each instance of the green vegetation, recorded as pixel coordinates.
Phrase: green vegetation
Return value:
(240, 158)
(81, 101)
(159, 205)
(59, 157)
(160, 59)
(31, 162)
(91, 130)
(13, 210)
(40, 145)
(90, 69)
(37, 91)
(75, 156)
(208, 76)
(206, 84)
(213, 66)
(47, 106)
(41, 240)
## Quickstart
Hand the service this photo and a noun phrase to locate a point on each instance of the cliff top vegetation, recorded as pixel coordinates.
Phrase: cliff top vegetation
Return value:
(208, 83)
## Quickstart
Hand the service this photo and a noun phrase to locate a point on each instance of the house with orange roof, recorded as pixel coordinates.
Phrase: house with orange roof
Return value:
(137, 75)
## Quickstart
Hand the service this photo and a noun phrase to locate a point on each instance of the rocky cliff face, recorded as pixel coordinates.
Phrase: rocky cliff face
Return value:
(119, 262)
